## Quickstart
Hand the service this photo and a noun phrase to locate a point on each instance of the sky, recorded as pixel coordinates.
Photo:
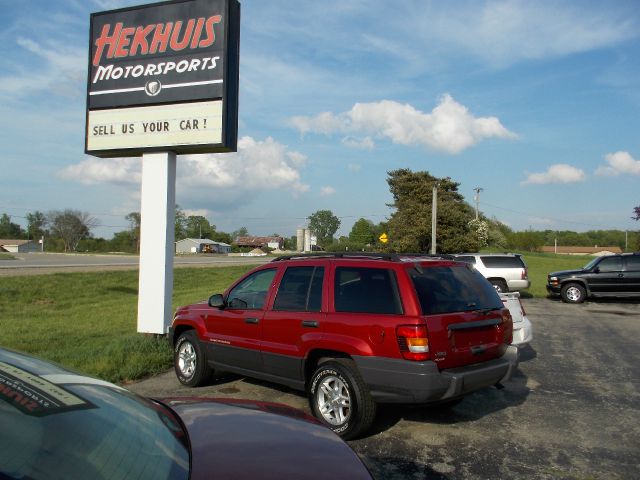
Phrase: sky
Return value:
(536, 103)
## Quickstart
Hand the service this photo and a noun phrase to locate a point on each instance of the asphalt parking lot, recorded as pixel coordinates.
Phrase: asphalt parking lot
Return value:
(571, 412)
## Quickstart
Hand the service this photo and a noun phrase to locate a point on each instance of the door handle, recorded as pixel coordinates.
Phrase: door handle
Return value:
(251, 320)
(620, 275)
(310, 323)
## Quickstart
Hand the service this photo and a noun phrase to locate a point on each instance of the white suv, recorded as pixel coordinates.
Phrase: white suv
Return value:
(506, 271)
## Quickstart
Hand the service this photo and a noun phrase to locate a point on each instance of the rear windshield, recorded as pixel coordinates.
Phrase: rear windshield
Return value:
(454, 288)
(503, 262)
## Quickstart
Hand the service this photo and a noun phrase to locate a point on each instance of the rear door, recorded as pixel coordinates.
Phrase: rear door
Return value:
(466, 320)
(632, 274)
(295, 320)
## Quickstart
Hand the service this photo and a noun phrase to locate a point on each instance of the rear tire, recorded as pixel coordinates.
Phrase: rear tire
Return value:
(339, 398)
(190, 360)
(499, 285)
(573, 293)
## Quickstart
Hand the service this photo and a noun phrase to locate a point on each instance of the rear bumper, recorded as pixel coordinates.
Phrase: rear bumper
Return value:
(401, 381)
(522, 332)
(518, 284)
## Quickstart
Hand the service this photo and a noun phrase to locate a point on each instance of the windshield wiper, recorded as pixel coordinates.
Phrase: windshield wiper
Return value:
(484, 311)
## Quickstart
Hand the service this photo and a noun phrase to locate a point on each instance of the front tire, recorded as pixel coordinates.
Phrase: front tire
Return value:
(339, 398)
(573, 293)
(190, 360)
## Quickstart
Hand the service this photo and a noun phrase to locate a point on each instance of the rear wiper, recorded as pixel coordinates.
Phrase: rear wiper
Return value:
(484, 311)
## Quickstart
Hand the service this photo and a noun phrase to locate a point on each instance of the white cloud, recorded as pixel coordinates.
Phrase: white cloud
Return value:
(258, 165)
(93, 171)
(365, 143)
(619, 163)
(354, 167)
(449, 127)
(560, 173)
(504, 32)
(61, 69)
(327, 191)
(227, 178)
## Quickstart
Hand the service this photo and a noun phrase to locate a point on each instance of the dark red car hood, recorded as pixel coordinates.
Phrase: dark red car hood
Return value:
(246, 439)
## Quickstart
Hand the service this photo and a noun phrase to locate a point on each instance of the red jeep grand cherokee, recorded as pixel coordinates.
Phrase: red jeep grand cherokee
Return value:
(352, 330)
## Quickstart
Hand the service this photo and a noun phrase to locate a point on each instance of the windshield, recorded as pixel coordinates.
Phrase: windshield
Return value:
(591, 264)
(455, 288)
(85, 431)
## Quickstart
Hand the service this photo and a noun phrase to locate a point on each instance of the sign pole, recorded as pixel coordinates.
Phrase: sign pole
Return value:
(157, 232)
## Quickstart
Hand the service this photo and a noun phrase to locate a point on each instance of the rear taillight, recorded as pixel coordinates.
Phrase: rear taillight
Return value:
(413, 342)
(507, 327)
(522, 308)
(523, 275)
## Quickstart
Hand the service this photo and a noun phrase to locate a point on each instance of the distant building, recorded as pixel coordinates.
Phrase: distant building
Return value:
(260, 242)
(19, 246)
(595, 251)
(201, 245)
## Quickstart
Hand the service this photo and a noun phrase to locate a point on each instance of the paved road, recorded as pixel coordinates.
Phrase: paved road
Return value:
(43, 263)
(571, 412)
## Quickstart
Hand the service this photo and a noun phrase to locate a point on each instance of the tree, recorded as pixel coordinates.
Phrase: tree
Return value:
(134, 219)
(8, 229)
(180, 224)
(528, 240)
(71, 226)
(636, 213)
(36, 222)
(198, 226)
(410, 225)
(324, 224)
(363, 232)
(241, 232)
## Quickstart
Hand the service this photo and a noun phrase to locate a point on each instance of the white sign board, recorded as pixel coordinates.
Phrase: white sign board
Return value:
(195, 123)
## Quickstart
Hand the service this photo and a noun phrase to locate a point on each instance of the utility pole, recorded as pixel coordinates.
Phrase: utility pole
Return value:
(477, 199)
(434, 216)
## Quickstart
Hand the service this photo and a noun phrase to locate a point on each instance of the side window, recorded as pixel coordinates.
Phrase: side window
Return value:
(611, 264)
(366, 290)
(252, 292)
(300, 290)
(466, 259)
(502, 262)
(633, 263)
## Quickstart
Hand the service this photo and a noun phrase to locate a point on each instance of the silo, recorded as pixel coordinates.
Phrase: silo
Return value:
(300, 240)
(307, 240)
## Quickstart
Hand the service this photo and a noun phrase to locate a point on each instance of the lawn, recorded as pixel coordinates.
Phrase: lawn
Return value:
(87, 321)
(6, 256)
(540, 264)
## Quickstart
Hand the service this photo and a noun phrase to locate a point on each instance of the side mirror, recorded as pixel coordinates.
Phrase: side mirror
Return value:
(216, 301)
(596, 270)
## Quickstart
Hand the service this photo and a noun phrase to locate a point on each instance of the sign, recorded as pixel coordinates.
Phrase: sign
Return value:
(383, 238)
(164, 77)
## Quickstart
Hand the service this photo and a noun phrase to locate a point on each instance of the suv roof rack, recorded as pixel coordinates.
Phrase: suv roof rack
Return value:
(394, 257)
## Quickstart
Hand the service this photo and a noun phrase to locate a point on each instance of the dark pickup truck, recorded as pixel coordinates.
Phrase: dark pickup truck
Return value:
(352, 331)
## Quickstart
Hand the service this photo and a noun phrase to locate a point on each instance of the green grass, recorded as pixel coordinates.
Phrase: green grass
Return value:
(6, 256)
(540, 264)
(87, 321)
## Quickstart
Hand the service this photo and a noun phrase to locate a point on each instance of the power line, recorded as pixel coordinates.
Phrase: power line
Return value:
(547, 217)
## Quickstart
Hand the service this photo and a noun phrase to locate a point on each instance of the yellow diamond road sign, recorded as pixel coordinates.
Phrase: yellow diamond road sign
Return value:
(383, 238)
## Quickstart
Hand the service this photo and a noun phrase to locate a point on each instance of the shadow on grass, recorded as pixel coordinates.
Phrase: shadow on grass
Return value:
(126, 290)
